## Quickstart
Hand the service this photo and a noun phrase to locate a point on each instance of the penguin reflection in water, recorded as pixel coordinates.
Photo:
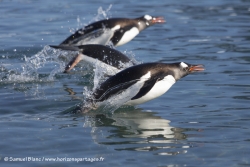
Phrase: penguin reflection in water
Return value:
(119, 31)
(141, 83)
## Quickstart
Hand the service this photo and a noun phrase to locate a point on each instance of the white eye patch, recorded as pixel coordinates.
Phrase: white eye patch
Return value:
(183, 65)
(147, 17)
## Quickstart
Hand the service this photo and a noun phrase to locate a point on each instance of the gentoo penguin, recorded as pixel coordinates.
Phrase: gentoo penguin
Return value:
(92, 53)
(117, 30)
(143, 82)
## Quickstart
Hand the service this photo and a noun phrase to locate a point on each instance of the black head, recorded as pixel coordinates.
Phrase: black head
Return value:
(147, 20)
(182, 69)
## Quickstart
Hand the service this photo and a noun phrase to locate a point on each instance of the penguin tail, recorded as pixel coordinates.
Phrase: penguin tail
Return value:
(65, 47)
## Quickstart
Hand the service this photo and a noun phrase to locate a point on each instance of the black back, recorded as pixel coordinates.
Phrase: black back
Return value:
(100, 52)
(105, 54)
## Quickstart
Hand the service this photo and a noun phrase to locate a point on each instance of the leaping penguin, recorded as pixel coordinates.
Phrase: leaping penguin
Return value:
(96, 53)
(143, 82)
(117, 30)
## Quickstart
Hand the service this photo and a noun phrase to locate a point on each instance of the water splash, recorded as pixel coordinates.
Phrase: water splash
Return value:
(114, 102)
(46, 64)
(102, 73)
(132, 57)
(41, 67)
(102, 14)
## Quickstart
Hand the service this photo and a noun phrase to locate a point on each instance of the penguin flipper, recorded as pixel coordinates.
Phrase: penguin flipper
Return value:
(147, 86)
(72, 39)
(98, 36)
(101, 96)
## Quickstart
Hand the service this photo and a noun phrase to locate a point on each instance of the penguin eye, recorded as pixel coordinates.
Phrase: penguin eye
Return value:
(185, 69)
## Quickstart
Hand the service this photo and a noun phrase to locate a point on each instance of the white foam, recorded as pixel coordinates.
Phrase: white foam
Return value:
(47, 62)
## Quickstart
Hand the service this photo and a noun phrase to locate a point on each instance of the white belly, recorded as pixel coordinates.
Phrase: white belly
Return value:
(128, 36)
(157, 90)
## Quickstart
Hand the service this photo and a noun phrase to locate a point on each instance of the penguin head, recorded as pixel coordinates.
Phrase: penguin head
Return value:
(182, 69)
(147, 20)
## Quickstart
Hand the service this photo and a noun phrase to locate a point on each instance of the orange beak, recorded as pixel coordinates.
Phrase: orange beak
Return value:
(158, 20)
(196, 68)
